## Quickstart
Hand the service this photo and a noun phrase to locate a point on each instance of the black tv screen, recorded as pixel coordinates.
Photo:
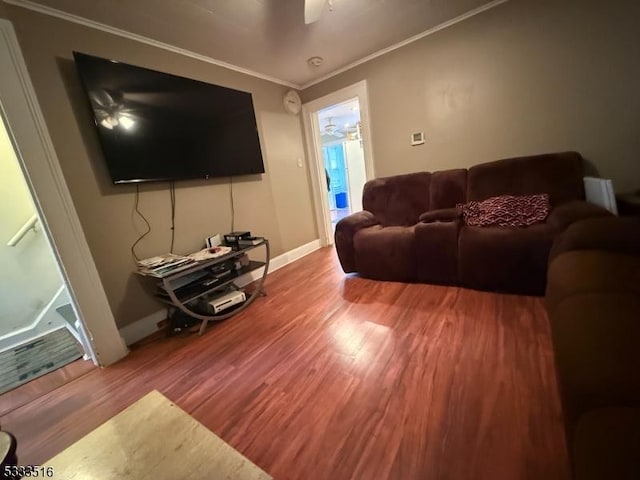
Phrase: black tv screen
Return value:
(155, 126)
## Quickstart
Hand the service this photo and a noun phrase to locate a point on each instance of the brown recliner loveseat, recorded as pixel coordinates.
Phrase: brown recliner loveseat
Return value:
(411, 231)
(593, 302)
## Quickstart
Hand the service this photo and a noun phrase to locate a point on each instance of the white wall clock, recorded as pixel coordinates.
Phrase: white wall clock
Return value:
(292, 102)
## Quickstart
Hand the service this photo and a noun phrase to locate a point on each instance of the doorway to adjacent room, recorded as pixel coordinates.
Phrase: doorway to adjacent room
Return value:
(338, 137)
(39, 328)
(53, 307)
(343, 158)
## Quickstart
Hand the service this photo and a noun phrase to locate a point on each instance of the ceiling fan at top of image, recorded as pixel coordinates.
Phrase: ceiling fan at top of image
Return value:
(313, 10)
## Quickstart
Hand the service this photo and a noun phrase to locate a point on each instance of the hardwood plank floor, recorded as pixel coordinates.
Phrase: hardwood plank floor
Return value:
(40, 386)
(338, 377)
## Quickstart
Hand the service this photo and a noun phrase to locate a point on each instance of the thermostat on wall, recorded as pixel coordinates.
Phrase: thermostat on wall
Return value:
(417, 138)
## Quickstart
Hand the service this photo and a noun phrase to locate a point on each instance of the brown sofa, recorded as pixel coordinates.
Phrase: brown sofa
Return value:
(593, 301)
(410, 231)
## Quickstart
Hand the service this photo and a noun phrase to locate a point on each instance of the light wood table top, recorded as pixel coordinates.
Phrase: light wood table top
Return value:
(5, 441)
(5, 444)
(153, 439)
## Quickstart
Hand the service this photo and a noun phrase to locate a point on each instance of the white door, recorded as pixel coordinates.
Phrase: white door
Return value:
(356, 172)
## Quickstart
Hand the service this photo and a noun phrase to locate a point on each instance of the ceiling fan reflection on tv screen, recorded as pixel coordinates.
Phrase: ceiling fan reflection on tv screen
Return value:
(155, 126)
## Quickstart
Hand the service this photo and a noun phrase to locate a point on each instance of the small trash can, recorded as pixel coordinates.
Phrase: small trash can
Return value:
(341, 200)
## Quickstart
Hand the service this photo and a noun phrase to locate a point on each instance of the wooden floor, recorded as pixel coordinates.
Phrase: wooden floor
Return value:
(338, 377)
(40, 386)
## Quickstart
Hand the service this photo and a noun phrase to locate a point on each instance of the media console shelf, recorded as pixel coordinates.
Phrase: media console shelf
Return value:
(207, 282)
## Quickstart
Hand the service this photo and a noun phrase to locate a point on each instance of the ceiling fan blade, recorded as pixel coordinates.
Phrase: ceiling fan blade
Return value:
(313, 10)
(100, 113)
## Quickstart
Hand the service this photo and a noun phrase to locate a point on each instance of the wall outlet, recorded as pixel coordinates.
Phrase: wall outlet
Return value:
(300, 162)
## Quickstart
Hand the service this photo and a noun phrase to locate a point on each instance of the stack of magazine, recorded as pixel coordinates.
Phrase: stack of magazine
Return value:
(164, 265)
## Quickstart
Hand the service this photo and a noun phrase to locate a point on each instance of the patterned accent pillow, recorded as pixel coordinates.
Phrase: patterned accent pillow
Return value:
(507, 211)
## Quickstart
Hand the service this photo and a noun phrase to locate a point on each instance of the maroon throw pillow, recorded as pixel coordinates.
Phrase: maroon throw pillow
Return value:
(507, 211)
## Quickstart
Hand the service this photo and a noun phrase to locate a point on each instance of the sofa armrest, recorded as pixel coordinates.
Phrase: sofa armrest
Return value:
(564, 215)
(612, 234)
(345, 231)
(441, 215)
(356, 221)
(596, 353)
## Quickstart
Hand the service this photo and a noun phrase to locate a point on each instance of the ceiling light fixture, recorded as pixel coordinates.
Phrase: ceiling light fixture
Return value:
(315, 61)
(330, 128)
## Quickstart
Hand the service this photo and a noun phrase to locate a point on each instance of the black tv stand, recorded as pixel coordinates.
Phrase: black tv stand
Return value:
(184, 298)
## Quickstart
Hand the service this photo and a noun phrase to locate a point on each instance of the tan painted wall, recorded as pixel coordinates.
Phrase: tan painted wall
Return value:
(29, 276)
(277, 204)
(526, 77)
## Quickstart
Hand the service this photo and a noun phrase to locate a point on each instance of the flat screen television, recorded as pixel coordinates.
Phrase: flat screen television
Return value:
(155, 126)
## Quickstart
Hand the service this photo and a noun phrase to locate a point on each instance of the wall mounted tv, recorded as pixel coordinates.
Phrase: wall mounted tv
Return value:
(156, 127)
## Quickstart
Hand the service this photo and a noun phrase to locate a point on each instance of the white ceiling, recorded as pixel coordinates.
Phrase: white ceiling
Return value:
(269, 36)
(347, 113)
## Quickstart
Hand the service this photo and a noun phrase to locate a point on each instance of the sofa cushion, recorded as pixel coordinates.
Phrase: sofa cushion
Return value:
(606, 444)
(505, 259)
(436, 247)
(558, 174)
(595, 338)
(507, 211)
(397, 200)
(448, 188)
(386, 253)
(591, 271)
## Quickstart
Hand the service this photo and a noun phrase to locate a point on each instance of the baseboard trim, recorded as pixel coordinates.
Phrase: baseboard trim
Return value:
(142, 328)
(293, 255)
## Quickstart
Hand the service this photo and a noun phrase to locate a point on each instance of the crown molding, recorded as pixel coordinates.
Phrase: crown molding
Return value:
(403, 43)
(53, 12)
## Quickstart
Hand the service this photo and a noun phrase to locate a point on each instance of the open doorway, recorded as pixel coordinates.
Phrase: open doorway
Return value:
(39, 328)
(54, 209)
(343, 158)
(339, 142)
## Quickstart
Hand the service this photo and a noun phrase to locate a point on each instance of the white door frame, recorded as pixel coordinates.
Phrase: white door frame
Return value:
(314, 147)
(38, 161)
